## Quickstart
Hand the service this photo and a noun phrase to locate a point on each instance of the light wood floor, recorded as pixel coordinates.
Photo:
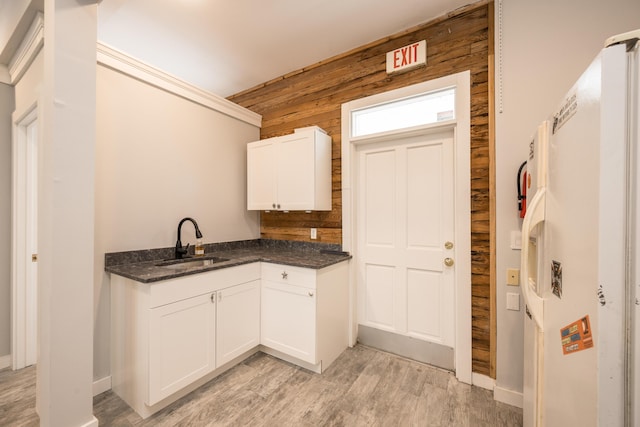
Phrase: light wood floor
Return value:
(364, 387)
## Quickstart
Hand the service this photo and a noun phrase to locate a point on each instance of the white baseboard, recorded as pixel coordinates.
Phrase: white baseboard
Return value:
(5, 361)
(92, 423)
(500, 394)
(483, 381)
(101, 385)
(507, 396)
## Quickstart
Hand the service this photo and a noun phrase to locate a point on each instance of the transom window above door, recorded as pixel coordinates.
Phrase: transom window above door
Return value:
(404, 113)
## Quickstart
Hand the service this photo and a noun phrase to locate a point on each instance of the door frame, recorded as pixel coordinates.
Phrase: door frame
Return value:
(24, 302)
(461, 127)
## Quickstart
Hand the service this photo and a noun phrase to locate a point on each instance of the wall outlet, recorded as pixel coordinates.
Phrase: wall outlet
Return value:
(513, 276)
(314, 233)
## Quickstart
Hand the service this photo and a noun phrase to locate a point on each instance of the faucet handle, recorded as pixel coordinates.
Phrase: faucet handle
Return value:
(181, 251)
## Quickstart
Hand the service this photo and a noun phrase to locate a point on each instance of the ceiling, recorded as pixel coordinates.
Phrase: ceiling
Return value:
(227, 46)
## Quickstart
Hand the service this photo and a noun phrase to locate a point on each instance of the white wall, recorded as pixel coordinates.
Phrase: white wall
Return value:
(161, 158)
(66, 173)
(546, 45)
(6, 108)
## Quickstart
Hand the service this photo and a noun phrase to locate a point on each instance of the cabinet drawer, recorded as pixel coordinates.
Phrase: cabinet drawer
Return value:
(290, 275)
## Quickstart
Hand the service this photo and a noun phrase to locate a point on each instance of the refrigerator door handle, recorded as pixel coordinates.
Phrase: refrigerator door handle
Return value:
(534, 216)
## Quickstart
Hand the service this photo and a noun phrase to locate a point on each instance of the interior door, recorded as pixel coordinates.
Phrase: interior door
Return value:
(31, 255)
(25, 243)
(405, 229)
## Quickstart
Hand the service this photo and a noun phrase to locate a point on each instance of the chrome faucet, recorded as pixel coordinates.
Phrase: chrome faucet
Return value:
(180, 251)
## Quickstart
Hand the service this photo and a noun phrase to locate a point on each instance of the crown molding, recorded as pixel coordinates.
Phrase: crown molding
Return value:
(33, 42)
(28, 50)
(5, 77)
(117, 60)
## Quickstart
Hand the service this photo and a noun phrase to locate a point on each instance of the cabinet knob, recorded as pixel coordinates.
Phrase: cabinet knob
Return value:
(278, 205)
(273, 205)
(213, 297)
(285, 275)
(220, 297)
(448, 262)
(310, 293)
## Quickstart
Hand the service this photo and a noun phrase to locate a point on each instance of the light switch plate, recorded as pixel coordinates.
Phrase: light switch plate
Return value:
(314, 233)
(513, 301)
(516, 240)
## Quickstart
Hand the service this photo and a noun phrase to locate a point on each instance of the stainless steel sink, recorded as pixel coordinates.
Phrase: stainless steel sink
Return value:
(184, 264)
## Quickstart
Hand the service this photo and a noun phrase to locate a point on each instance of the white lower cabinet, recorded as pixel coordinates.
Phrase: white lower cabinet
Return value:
(289, 319)
(305, 312)
(181, 344)
(169, 337)
(165, 336)
(238, 321)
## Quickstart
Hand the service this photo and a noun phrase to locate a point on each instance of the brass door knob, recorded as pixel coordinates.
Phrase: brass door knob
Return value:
(448, 262)
(448, 245)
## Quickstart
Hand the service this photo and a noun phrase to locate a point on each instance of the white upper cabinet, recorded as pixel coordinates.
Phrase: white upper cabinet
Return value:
(290, 172)
(261, 174)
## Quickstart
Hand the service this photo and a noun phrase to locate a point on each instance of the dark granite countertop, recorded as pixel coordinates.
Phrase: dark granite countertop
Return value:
(153, 265)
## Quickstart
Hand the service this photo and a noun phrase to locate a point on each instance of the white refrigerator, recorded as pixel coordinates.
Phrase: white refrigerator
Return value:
(579, 259)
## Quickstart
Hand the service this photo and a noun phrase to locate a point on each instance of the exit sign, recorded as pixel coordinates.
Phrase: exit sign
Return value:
(407, 57)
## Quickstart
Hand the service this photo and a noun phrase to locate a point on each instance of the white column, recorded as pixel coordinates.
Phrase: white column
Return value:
(66, 215)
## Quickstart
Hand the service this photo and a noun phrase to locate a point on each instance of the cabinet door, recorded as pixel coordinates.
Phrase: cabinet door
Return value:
(261, 175)
(296, 172)
(238, 324)
(181, 344)
(289, 320)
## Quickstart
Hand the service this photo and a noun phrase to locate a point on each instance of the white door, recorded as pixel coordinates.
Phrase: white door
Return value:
(25, 242)
(31, 255)
(405, 232)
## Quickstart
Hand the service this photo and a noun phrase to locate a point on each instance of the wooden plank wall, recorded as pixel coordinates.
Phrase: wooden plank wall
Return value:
(313, 96)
